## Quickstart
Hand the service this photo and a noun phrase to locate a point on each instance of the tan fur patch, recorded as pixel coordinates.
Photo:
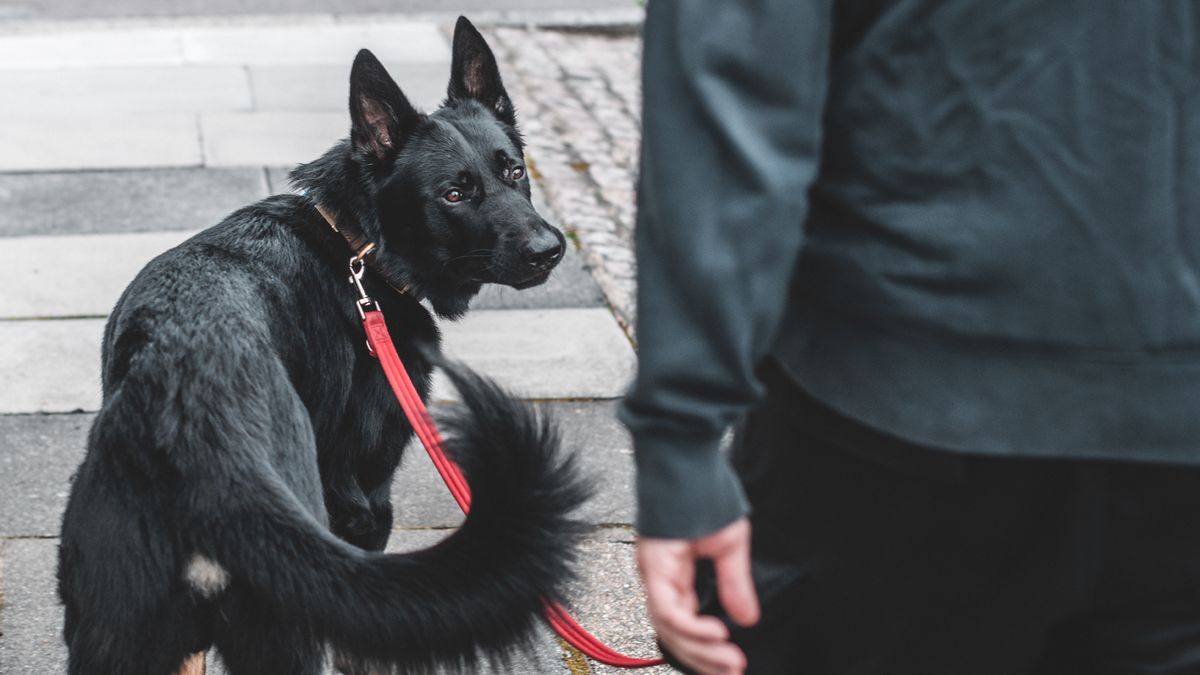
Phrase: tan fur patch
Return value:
(205, 576)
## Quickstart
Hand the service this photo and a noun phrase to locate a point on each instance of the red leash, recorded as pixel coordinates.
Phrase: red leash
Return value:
(380, 343)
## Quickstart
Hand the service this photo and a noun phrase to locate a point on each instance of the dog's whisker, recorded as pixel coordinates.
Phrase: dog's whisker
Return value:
(477, 253)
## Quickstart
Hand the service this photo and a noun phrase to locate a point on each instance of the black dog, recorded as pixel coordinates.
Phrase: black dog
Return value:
(236, 486)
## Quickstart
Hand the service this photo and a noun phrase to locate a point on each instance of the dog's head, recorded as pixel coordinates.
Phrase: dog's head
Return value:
(450, 189)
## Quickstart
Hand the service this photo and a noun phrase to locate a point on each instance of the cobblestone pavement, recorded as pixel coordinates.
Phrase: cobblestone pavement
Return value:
(578, 94)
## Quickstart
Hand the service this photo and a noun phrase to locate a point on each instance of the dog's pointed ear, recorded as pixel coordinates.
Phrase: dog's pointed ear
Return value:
(474, 74)
(380, 116)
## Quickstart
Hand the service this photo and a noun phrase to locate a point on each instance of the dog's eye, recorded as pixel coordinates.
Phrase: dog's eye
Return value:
(453, 196)
(517, 173)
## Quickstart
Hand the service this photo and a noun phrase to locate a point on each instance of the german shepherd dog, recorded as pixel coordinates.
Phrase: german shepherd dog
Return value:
(235, 491)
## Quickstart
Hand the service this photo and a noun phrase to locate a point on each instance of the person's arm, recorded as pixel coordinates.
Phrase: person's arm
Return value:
(733, 95)
(733, 98)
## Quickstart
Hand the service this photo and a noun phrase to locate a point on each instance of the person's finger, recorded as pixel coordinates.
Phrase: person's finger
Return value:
(667, 568)
(668, 574)
(705, 657)
(669, 608)
(735, 583)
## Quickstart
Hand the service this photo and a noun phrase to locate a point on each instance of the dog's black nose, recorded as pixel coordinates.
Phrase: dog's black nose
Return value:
(545, 249)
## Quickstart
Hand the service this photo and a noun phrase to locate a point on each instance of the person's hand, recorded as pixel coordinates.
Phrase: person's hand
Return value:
(668, 568)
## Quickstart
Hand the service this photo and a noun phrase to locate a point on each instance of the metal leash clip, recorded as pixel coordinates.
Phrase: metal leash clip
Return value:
(365, 302)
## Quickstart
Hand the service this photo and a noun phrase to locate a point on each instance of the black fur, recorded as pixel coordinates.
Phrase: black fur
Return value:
(244, 422)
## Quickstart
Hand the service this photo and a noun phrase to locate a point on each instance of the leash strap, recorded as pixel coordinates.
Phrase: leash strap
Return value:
(380, 342)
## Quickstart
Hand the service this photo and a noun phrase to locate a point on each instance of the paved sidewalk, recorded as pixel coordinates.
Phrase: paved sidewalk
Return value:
(579, 95)
(119, 140)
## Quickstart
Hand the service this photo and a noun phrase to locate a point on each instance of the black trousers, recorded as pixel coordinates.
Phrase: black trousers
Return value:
(873, 556)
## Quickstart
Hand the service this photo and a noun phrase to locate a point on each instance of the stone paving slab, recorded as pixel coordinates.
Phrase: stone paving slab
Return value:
(542, 10)
(590, 431)
(73, 275)
(31, 618)
(277, 177)
(128, 89)
(609, 600)
(542, 353)
(54, 365)
(50, 366)
(104, 141)
(85, 202)
(39, 453)
(184, 42)
(38, 456)
(337, 42)
(325, 88)
(83, 48)
(257, 138)
(83, 275)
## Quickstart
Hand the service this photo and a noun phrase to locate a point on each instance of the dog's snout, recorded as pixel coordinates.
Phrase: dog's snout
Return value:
(545, 249)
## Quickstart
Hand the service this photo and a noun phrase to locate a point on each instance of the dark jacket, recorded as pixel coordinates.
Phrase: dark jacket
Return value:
(972, 225)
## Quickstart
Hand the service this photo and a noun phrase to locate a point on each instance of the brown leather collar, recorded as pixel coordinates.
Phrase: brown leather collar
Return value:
(363, 248)
(357, 241)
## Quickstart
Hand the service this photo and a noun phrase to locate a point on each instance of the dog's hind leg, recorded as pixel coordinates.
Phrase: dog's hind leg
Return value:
(126, 608)
(258, 641)
(361, 515)
(155, 649)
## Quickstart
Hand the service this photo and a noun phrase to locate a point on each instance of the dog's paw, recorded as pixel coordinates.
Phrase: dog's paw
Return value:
(362, 527)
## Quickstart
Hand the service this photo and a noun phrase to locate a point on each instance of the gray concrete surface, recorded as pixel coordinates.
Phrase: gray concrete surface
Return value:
(50, 365)
(75, 9)
(109, 140)
(542, 353)
(589, 431)
(86, 202)
(123, 89)
(324, 88)
(251, 138)
(31, 619)
(49, 276)
(94, 171)
(97, 267)
(38, 455)
(53, 365)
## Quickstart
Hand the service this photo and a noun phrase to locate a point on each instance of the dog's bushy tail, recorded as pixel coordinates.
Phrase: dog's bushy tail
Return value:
(476, 594)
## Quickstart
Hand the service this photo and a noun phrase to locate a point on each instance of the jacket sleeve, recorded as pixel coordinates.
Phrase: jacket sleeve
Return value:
(733, 94)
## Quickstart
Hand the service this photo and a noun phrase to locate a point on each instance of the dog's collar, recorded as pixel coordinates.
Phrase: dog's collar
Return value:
(357, 241)
(364, 249)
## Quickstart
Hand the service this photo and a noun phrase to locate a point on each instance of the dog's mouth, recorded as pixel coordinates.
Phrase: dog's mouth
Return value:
(487, 274)
(536, 279)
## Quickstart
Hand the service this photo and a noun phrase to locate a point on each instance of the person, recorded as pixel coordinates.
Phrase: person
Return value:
(938, 262)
